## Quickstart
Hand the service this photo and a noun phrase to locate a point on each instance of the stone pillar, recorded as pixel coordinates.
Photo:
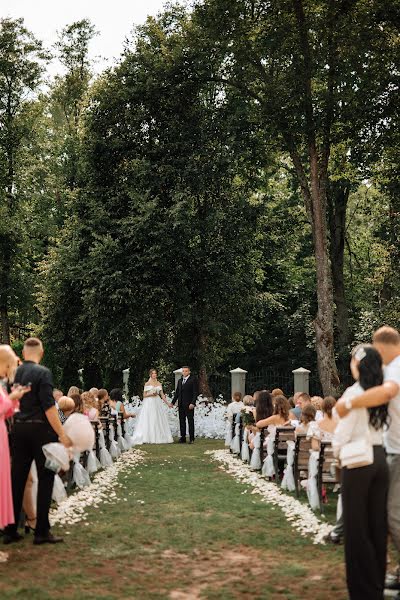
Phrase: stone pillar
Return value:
(125, 381)
(301, 380)
(80, 374)
(178, 375)
(238, 381)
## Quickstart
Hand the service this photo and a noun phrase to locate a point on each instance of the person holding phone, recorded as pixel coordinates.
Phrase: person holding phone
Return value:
(36, 424)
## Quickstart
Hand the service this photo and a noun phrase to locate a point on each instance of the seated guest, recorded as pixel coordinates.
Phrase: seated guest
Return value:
(280, 416)
(117, 403)
(104, 403)
(95, 392)
(277, 392)
(323, 430)
(263, 410)
(57, 394)
(78, 403)
(73, 390)
(66, 405)
(248, 400)
(301, 399)
(307, 417)
(90, 406)
(233, 412)
(235, 406)
(316, 401)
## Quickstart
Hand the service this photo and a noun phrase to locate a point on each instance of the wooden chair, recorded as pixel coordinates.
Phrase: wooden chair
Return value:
(282, 436)
(105, 421)
(95, 426)
(301, 458)
(327, 471)
(122, 421)
(263, 437)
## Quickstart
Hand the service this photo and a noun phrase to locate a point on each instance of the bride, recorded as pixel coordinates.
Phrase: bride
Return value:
(152, 425)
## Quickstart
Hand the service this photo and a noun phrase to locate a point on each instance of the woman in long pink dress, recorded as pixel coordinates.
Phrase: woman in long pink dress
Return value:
(8, 404)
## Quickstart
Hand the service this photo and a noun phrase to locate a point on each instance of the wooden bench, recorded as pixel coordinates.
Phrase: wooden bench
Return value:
(282, 436)
(301, 457)
(328, 473)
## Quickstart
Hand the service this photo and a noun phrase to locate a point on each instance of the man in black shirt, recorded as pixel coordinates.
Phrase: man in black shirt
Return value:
(36, 424)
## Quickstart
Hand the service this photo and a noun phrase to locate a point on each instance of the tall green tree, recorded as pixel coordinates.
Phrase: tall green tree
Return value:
(22, 63)
(315, 86)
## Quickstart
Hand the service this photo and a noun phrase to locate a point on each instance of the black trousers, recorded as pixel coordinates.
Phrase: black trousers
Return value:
(364, 496)
(186, 413)
(27, 440)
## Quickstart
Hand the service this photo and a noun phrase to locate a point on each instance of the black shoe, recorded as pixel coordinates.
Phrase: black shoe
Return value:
(191, 442)
(182, 440)
(332, 538)
(47, 539)
(11, 538)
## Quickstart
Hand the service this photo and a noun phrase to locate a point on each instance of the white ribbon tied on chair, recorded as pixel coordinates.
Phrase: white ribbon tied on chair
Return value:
(245, 456)
(255, 462)
(288, 475)
(105, 456)
(228, 434)
(235, 445)
(312, 487)
(268, 468)
(92, 465)
(80, 476)
(114, 448)
(59, 493)
(122, 445)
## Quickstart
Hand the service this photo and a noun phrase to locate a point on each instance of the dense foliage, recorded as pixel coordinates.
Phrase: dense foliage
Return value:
(227, 194)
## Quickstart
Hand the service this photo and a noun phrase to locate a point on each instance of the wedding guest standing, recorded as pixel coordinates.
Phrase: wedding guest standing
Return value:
(365, 481)
(36, 424)
(8, 404)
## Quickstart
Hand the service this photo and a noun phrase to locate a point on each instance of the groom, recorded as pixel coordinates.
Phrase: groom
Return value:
(186, 394)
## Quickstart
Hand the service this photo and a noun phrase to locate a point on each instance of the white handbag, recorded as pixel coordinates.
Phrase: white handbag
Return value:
(357, 454)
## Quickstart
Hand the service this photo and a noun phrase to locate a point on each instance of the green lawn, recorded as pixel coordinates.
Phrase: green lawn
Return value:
(195, 536)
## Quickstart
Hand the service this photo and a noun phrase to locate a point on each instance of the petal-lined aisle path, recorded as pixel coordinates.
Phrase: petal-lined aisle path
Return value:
(175, 526)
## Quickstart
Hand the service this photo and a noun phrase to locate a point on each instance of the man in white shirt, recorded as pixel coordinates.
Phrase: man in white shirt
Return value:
(387, 341)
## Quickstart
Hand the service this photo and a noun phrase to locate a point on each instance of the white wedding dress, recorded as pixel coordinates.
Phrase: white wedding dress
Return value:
(152, 425)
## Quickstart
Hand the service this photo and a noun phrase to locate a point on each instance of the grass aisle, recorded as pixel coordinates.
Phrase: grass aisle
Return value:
(185, 531)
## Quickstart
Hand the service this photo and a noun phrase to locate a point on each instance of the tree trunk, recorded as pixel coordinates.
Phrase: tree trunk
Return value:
(201, 353)
(324, 320)
(337, 205)
(5, 269)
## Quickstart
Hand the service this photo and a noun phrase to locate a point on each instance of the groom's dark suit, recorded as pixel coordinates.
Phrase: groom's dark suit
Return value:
(186, 394)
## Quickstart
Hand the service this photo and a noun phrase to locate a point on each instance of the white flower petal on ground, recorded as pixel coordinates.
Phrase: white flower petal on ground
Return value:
(300, 516)
(73, 509)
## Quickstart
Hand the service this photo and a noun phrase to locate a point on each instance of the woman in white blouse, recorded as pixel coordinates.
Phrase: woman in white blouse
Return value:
(364, 488)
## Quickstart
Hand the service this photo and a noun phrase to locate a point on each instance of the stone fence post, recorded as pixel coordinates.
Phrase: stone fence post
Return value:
(301, 380)
(238, 381)
(125, 381)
